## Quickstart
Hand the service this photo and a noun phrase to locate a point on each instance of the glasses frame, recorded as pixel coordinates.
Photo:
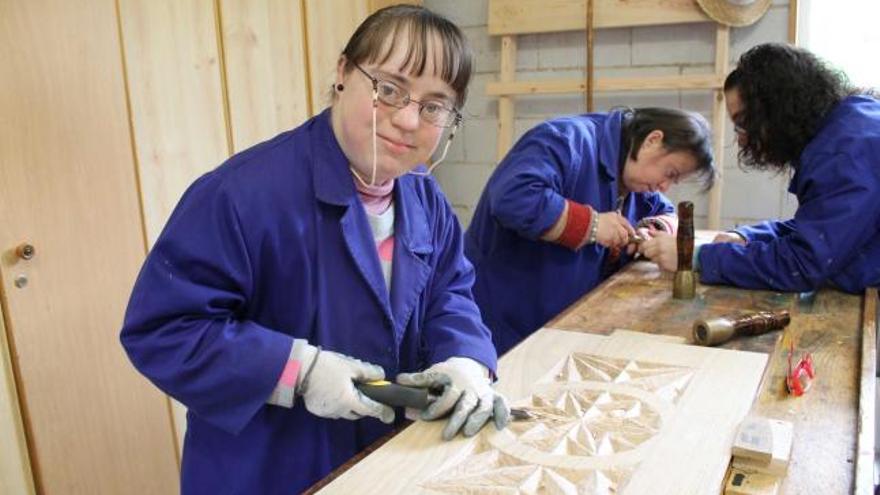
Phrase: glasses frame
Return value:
(453, 120)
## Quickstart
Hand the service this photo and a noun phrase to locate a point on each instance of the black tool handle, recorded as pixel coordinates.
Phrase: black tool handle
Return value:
(395, 395)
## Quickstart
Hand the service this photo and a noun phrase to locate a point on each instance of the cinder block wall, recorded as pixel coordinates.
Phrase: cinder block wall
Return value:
(630, 52)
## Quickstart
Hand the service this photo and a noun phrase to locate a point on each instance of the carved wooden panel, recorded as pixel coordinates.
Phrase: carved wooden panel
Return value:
(620, 414)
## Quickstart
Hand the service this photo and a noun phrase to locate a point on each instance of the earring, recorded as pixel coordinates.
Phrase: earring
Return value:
(339, 87)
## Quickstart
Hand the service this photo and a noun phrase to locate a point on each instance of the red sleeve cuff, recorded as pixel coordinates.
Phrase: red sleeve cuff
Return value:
(577, 223)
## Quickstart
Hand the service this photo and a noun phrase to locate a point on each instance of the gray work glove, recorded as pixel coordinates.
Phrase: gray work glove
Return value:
(467, 392)
(327, 386)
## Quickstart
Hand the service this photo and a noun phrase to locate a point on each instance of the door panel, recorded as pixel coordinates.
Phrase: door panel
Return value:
(67, 186)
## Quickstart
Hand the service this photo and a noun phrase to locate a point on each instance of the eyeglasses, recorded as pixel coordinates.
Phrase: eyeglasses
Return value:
(432, 112)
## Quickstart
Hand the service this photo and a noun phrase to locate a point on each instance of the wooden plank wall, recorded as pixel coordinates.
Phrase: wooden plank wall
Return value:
(203, 79)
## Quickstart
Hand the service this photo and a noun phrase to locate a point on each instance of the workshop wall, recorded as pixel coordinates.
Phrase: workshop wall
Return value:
(622, 52)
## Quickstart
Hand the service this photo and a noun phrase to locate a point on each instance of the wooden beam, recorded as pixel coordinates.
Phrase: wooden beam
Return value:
(542, 16)
(793, 22)
(562, 86)
(719, 119)
(505, 103)
(864, 482)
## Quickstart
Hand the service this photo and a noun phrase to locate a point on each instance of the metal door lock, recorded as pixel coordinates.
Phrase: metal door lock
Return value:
(25, 251)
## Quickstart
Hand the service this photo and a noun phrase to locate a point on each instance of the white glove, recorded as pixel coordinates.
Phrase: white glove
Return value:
(467, 388)
(327, 385)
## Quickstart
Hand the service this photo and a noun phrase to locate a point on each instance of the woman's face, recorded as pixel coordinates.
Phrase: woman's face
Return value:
(403, 139)
(735, 111)
(656, 169)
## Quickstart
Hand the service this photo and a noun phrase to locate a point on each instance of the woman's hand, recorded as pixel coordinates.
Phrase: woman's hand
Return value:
(661, 249)
(729, 237)
(614, 230)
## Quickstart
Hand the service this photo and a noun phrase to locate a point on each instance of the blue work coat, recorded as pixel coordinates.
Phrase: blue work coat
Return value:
(834, 237)
(522, 281)
(275, 245)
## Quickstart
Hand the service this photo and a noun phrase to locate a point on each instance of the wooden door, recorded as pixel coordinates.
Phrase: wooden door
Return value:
(67, 186)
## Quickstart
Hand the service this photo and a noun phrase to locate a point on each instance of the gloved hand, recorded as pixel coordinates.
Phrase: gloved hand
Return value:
(327, 386)
(467, 389)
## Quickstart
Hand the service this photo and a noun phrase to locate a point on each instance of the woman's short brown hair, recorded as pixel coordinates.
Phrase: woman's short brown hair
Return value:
(369, 44)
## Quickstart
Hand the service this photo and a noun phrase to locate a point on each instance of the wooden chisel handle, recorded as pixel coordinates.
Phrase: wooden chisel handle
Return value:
(685, 238)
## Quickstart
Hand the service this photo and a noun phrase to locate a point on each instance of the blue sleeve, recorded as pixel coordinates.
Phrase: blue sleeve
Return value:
(526, 190)
(453, 325)
(184, 328)
(837, 214)
(660, 205)
(767, 231)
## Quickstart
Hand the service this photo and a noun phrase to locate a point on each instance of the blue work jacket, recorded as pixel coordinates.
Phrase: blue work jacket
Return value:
(834, 237)
(522, 281)
(275, 245)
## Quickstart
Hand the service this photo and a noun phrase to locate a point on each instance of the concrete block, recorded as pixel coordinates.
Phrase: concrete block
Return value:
(773, 27)
(752, 195)
(463, 184)
(480, 140)
(681, 44)
(479, 105)
(487, 49)
(568, 49)
(464, 13)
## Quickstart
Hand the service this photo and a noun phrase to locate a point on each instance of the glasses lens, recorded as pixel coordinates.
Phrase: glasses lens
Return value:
(391, 94)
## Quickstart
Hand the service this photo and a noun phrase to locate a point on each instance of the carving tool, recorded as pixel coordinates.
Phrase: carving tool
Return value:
(684, 285)
(396, 395)
(714, 331)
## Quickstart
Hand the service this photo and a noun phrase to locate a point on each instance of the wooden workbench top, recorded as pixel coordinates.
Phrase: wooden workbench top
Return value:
(827, 323)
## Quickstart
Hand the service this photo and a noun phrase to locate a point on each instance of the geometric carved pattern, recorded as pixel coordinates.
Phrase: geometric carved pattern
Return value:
(592, 418)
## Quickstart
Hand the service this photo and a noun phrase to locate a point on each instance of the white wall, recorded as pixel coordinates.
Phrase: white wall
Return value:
(643, 51)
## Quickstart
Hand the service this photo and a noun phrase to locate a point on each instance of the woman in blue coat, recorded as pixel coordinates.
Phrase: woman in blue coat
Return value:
(557, 215)
(321, 258)
(793, 113)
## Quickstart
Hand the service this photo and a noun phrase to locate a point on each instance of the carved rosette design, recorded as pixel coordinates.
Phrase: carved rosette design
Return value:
(593, 419)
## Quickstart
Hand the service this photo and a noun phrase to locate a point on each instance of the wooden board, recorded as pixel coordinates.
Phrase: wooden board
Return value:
(67, 186)
(621, 414)
(265, 62)
(15, 465)
(827, 323)
(542, 16)
(173, 67)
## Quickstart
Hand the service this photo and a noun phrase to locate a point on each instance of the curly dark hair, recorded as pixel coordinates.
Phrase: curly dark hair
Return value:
(786, 92)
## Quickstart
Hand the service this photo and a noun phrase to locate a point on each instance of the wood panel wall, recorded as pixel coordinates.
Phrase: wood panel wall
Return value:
(203, 79)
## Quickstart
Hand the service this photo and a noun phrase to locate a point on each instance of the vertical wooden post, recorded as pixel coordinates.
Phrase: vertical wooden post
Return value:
(719, 118)
(505, 103)
(793, 22)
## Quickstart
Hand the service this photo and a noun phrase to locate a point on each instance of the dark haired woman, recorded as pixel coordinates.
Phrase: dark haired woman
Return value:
(316, 260)
(792, 112)
(557, 215)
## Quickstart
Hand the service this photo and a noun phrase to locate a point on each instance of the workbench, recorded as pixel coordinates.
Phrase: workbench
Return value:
(833, 431)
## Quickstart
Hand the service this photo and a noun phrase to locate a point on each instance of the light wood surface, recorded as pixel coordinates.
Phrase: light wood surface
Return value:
(15, 466)
(542, 16)
(867, 397)
(505, 102)
(827, 323)
(66, 186)
(177, 106)
(329, 24)
(557, 86)
(719, 120)
(265, 62)
(621, 414)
